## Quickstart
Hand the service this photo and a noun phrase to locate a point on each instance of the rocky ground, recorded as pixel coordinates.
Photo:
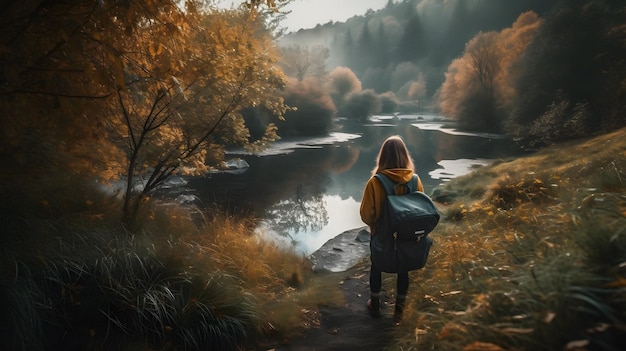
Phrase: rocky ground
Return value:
(342, 252)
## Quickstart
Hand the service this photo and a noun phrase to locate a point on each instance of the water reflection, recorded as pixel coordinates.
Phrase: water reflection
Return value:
(343, 215)
(300, 213)
(309, 190)
(453, 168)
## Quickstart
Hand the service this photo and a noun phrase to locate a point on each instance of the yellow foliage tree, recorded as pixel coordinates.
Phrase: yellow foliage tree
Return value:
(142, 90)
(478, 88)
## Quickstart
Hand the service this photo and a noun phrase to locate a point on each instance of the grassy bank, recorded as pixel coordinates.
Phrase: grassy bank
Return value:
(530, 255)
(72, 278)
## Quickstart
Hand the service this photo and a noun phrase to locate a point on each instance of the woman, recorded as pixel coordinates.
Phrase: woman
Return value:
(395, 162)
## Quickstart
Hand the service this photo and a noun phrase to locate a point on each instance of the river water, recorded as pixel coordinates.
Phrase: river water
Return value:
(308, 190)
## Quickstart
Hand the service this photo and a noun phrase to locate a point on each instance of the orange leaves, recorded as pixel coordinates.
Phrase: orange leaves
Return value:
(620, 282)
(155, 49)
(510, 330)
(482, 346)
(451, 293)
(451, 331)
(486, 64)
(549, 317)
(418, 332)
(577, 345)
(108, 98)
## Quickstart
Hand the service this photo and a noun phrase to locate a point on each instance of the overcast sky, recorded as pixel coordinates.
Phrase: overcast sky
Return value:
(309, 13)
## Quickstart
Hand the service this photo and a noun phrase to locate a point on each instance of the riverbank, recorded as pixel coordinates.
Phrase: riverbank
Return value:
(528, 256)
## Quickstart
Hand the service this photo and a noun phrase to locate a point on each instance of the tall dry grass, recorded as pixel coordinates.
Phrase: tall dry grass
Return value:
(71, 277)
(531, 255)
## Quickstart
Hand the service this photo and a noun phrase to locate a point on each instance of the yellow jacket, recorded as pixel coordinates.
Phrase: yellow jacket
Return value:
(374, 194)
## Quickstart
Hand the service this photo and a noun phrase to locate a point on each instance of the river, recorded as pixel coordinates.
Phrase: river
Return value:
(308, 190)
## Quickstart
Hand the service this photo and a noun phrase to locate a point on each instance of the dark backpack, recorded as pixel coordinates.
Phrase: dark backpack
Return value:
(401, 241)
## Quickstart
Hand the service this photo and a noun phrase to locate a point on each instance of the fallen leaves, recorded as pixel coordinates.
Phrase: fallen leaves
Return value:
(577, 345)
(482, 346)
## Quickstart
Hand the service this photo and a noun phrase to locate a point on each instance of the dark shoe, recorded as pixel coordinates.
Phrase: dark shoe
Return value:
(397, 315)
(373, 305)
(397, 312)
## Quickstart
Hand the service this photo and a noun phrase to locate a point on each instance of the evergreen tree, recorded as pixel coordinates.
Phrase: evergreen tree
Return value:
(413, 42)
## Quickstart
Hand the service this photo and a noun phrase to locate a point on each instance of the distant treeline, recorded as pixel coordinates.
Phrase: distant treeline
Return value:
(540, 70)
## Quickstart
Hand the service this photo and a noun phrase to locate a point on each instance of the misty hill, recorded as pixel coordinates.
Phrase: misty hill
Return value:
(411, 41)
(541, 71)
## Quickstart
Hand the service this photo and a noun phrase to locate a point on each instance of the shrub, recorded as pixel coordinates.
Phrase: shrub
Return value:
(314, 109)
(388, 102)
(360, 105)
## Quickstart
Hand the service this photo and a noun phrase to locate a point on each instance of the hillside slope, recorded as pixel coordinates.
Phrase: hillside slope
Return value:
(530, 255)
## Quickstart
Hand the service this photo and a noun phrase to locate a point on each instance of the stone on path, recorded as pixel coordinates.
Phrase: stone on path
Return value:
(342, 252)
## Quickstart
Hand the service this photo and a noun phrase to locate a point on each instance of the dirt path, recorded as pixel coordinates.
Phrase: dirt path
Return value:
(347, 326)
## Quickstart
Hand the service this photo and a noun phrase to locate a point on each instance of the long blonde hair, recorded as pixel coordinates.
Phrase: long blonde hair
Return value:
(393, 154)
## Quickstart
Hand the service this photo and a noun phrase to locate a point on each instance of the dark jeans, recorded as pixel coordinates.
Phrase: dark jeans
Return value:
(376, 281)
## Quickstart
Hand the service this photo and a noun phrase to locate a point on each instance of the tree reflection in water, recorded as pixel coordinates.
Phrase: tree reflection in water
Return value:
(303, 212)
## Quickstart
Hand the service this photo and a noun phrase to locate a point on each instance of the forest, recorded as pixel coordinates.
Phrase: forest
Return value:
(539, 71)
(103, 101)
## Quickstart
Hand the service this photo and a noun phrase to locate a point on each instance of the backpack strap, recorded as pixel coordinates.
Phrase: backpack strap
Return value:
(387, 184)
(390, 186)
(413, 183)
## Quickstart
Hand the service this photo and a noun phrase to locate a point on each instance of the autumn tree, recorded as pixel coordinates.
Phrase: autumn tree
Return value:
(409, 83)
(179, 115)
(313, 108)
(342, 82)
(478, 87)
(571, 80)
(138, 90)
(50, 87)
